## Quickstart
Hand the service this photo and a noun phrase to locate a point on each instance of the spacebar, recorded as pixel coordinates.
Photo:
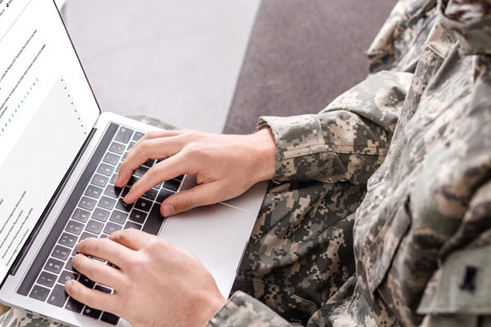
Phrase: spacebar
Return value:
(154, 221)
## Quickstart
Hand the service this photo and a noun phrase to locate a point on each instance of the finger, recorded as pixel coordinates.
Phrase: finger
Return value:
(93, 298)
(164, 170)
(158, 134)
(98, 271)
(141, 152)
(200, 195)
(131, 238)
(105, 249)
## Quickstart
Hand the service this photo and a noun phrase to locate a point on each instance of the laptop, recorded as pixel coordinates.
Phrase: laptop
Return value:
(59, 157)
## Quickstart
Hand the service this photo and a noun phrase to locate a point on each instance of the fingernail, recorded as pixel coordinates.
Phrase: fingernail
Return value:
(168, 210)
(68, 284)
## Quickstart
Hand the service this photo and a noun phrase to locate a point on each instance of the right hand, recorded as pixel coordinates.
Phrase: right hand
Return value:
(225, 165)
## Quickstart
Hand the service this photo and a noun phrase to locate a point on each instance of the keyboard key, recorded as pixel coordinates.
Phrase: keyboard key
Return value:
(118, 217)
(154, 221)
(58, 296)
(132, 144)
(113, 178)
(39, 293)
(66, 276)
(110, 318)
(46, 279)
(124, 135)
(123, 206)
(143, 204)
(74, 305)
(74, 227)
(112, 191)
(138, 136)
(93, 191)
(84, 280)
(126, 190)
(111, 158)
(117, 147)
(81, 215)
(124, 156)
(86, 235)
(69, 265)
(103, 289)
(94, 227)
(151, 194)
(138, 216)
(87, 203)
(54, 266)
(149, 163)
(163, 194)
(172, 184)
(68, 240)
(133, 180)
(106, 203)
(100, 214)
(104, 236)
(105, 169)
(180, 178)
(88, 311)
(99, 180)
(111, 228)
(140, 171)
(61, 252)
(133, 225)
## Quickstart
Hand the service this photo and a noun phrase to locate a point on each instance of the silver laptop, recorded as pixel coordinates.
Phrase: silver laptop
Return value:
(58, 159)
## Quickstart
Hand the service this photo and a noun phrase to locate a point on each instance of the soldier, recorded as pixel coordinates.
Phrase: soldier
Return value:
(408, 149)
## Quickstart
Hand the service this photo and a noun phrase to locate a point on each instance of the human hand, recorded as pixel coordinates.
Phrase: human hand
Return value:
(157, 284)
(225, 165)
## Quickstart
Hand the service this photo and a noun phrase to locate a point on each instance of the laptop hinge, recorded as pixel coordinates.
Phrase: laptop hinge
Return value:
(47, 210)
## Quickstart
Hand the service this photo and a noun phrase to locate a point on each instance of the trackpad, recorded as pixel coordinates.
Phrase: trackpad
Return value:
(217, 235)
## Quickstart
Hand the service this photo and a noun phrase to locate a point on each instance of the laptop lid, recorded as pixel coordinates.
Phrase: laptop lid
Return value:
(47, 111)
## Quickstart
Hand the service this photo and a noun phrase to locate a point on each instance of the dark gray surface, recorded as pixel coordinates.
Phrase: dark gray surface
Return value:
(301, 55)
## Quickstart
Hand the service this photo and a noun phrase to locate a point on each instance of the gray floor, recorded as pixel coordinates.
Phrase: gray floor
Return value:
(303, 54)
(178, 60)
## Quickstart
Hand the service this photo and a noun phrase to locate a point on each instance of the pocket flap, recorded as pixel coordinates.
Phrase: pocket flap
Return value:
(464, 286)
(384, 247)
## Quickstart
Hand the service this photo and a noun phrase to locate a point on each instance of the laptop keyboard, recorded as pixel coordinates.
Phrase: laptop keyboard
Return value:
(99, 211)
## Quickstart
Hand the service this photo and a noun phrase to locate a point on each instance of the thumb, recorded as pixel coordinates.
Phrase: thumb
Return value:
(197, 196)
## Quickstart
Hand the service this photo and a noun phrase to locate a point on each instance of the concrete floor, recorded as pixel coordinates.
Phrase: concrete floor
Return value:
(176, 60)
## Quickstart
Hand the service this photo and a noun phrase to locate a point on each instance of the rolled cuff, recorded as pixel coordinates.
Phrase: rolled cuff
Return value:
(242, 310)
(295, 137)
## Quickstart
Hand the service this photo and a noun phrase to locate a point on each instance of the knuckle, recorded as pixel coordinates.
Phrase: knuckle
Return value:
(183, 202)
(138, 264)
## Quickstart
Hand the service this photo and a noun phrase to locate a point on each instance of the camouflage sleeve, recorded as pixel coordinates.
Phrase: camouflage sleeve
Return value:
(243, 310)
(348, 140)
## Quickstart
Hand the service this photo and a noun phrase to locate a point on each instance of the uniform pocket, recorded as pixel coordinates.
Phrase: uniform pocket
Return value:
(385, 245)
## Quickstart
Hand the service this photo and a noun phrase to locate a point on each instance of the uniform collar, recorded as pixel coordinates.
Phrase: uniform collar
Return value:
(469, 21)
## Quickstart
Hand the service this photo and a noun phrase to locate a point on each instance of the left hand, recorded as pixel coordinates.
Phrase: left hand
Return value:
(157, 284)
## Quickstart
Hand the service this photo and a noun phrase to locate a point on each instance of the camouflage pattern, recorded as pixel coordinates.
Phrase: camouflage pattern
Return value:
(399, 43)
(311, 261)
(422, 235)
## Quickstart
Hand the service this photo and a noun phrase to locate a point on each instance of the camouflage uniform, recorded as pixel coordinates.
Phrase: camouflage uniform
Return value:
(419, 240)
(421, 236)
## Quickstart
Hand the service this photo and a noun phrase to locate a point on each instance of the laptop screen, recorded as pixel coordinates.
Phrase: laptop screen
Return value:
(47, 111)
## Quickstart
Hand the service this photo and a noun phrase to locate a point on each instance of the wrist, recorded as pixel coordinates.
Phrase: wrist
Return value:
(213, 304)
(264, 154)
